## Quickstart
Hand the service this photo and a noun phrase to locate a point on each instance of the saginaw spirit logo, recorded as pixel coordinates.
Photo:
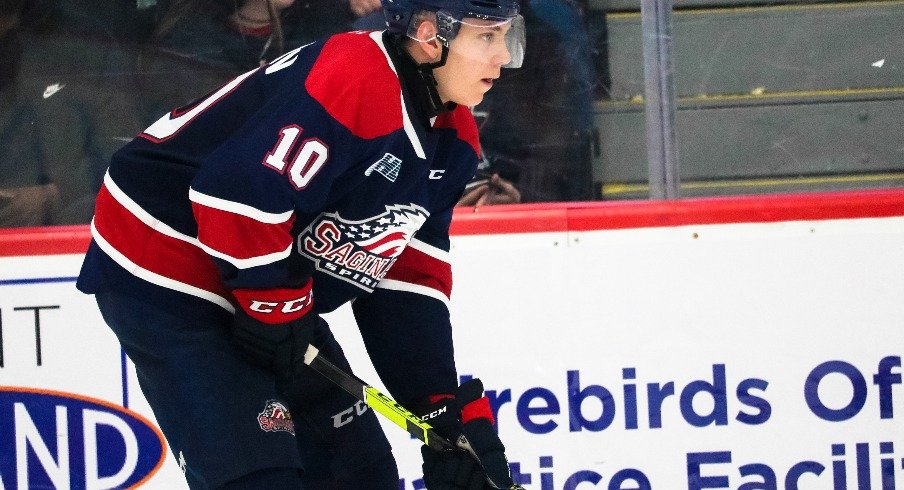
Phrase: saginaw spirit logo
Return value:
(361, 252)
(276, 417)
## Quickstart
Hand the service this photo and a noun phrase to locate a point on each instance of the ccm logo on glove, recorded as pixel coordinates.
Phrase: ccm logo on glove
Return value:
(278, 305)
(435, 413)
(287, 306)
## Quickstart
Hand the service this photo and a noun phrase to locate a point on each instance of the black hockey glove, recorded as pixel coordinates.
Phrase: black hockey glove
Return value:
(466, 419)
(273, 327)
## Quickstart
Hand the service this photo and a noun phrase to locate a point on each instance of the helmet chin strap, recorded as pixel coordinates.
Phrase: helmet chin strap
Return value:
(426, 72)
(442, 59)
(426, 92)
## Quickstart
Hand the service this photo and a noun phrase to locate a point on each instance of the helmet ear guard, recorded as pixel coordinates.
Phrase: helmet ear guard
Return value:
(446, 27)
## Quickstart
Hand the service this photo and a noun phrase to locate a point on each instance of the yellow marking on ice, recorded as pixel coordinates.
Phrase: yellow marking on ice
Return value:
(759, 95)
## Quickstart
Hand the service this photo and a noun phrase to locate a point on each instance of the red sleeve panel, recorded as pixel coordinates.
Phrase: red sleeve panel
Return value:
(423, 266)
(240, 234)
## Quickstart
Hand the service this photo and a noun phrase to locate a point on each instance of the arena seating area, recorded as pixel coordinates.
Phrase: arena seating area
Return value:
(771, 98)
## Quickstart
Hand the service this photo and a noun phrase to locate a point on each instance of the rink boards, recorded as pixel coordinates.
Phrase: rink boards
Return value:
(721, 343)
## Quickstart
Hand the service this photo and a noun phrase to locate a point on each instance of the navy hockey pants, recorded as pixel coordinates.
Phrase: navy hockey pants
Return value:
(224, 418)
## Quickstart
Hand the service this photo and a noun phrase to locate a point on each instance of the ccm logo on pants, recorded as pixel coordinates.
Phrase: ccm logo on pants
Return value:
(346, 416)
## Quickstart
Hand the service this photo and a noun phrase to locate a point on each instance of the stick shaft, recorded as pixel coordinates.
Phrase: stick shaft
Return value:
(381, 403)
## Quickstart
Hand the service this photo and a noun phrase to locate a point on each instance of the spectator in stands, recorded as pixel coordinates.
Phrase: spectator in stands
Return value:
(222, 34)
(493, 184)
(205, 43)
(27, 197)
(63, 107)
(362, 8)
(537, 131)
(74, 84)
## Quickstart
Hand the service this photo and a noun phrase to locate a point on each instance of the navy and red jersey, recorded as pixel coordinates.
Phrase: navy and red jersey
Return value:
(318, 166)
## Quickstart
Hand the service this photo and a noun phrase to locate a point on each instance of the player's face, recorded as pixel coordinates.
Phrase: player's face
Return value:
(476, 56)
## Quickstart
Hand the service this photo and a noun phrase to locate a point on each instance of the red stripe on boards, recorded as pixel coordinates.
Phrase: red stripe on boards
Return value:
(612, 215)
(44, 240)
(578, 216)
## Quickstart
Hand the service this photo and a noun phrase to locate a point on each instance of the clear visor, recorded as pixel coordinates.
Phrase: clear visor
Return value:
(481, 40)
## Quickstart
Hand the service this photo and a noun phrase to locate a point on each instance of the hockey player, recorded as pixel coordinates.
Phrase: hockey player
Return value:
(227, 227)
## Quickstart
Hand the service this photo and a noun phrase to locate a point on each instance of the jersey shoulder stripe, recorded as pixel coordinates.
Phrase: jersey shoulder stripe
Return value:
(351, 71)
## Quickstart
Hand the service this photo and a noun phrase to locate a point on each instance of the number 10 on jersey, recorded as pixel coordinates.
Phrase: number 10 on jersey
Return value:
(309, 156)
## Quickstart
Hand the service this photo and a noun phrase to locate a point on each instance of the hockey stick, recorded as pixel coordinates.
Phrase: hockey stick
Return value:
(381, 403)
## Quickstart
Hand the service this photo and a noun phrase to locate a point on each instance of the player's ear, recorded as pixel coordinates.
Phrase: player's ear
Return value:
(431, 47)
